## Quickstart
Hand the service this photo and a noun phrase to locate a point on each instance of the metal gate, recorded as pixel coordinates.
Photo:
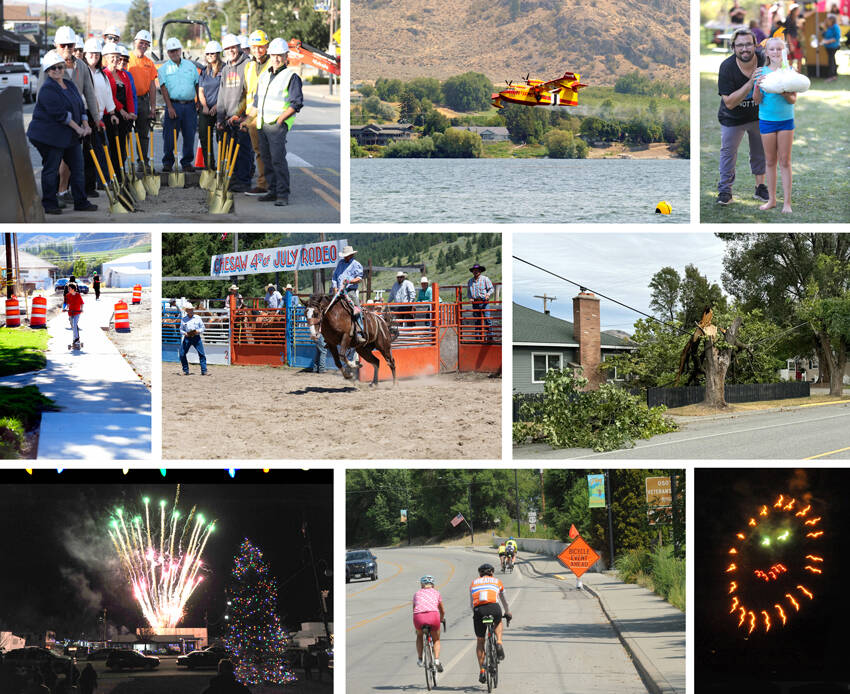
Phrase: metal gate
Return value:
(216, 335)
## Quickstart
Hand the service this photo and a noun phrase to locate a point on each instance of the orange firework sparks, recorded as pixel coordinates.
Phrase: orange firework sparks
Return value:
(813, 569)
(766, 621)
(813, 557)
(789, 505)
(773, 575)
(793, 601)
(743, 616)
(752, 623)
(817, 534)
(781, 613)
(779, 501)
(813, 521)
(802, 513)
(733, 551)
(731, 568)
(779, 567)
(734, 605)
(763, 511)
(752, 521)
(740, 536)
(732, 588)
(806, 593)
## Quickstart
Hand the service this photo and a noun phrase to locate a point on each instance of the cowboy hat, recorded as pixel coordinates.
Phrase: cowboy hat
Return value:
(401, 274)
(288, 286)
(423, 279)
(347, 251)
(477, 267)
(271, 286)
(187, 306)
(234, 288)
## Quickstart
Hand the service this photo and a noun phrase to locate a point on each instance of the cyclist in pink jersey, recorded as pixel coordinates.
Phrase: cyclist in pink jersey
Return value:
(428, 609)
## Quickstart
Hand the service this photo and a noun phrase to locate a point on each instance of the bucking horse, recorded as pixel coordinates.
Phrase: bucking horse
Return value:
(333, 315)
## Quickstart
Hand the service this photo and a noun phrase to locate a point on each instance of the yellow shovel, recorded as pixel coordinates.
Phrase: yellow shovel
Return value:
(153, 179)
(223, 200)
(218, 195)
(145, 179)
(176, 180)
(115, 207)
(125, 187)
(208, 174)
(124, 200)
(137, 185)
(222, 149)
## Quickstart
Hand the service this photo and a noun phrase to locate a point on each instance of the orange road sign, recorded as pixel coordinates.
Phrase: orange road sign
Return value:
(578, 557)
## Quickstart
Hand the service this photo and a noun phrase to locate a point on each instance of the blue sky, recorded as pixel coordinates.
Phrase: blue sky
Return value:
(618, 265)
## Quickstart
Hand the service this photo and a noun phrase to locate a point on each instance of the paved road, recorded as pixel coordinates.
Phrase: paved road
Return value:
(313, 154)
(821, 432)
(560, 641)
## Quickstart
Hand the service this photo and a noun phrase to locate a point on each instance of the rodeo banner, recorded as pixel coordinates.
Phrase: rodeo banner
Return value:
(308, 256)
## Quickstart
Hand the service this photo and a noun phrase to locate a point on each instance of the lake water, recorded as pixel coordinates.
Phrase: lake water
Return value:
(519, 190)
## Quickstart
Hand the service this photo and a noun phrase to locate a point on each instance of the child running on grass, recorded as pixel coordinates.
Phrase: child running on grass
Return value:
(776, 125)
(74, 300)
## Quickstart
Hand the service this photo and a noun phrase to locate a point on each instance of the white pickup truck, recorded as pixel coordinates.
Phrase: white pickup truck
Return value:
(17, 75)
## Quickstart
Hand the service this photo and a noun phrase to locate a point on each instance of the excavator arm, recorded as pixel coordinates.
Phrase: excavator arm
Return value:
(302, 54)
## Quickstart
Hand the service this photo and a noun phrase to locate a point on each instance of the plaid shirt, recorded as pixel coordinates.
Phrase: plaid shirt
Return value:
(481, 288)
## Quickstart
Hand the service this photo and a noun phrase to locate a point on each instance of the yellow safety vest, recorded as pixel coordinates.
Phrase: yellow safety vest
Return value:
(252, 76)
(273, 97)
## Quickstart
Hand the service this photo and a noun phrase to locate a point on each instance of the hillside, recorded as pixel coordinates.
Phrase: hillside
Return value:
(600, 39)
(84, 242)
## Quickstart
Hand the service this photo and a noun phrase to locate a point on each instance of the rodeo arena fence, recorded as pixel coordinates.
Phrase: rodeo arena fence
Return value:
(438, 336)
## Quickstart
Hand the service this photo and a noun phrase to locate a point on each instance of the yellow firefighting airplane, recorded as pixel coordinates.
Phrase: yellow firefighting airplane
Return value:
(558, 92)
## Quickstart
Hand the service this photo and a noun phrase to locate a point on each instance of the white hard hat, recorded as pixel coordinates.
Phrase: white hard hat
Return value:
(243, 41)
(229, 41)
(187, 305)
(213, 47)
(122, 50)
(64, 35)
(113, 31)
(80, 43)
(110, 48)
(93, 46)
(278, 47)
(173, 44)
(144, 35)
(51, 58)
(423, 279)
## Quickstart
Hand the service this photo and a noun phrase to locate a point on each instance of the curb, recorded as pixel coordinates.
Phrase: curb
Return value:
(649, 674)
(689, 418)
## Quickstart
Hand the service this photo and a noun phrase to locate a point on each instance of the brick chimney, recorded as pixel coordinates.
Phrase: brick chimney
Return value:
(586, 326)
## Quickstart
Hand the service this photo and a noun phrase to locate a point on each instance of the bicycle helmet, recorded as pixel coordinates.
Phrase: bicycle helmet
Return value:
(426, 580)
(485, 569)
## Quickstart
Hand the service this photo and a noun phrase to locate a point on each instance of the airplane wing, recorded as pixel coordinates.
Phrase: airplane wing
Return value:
(570, 80)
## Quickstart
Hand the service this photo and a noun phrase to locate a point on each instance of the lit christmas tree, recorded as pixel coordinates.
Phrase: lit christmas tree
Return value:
(255, 637)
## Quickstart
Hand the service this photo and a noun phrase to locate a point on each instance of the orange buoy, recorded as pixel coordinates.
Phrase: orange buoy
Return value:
(122, 317)
(13, 313)
(137, 294)
(38, 316)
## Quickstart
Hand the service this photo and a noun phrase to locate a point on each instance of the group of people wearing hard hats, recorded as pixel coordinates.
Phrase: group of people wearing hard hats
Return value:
(92, 92)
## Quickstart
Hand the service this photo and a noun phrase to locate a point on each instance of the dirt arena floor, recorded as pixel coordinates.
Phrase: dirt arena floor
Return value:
(261, 412)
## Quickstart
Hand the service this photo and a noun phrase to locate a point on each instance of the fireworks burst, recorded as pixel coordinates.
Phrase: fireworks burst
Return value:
(162, 567)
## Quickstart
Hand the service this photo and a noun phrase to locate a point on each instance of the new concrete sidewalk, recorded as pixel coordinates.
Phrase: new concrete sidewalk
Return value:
(105, 410)
(651, 630)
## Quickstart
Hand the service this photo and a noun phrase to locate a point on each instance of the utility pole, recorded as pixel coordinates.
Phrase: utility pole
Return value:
(610, 499)
(9, 286)
(330, 46)
(516, 491)
(673, 494)
(469, 503)
(542, 500)
(321, 598)
(546, 298)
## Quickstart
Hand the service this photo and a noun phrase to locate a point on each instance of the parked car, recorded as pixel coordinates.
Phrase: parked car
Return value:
(208, 657)
(130, 660)
(100, 654)
(361, 563)
(33, 657)
(63, 282)
(17, 75)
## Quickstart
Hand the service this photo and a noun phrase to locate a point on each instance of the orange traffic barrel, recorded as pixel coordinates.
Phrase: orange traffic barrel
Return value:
(38, 316)
(122, 317)
(137, 294)
(13, 313)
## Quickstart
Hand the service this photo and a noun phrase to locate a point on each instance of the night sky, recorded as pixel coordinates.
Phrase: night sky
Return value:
(59, 568)
(812, 646)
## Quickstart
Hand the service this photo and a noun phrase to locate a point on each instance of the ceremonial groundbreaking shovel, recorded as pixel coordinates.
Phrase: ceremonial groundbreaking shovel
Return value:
(153, 179)
(115, 207)
(125, 186)
(138, 186)
(208, 174)
(176, 180)
(116, 188)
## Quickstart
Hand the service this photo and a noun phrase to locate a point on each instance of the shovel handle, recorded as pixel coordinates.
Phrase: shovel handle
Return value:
(128, 146)
(109, 162)
(175, 143)
(232, 163)
(209, 146)
(139, 146)
(97, 166)
(150, 146)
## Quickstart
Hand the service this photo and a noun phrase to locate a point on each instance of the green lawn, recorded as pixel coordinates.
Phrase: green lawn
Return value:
(820, 157)
(20, 411)
(22, 350)
(508, 150)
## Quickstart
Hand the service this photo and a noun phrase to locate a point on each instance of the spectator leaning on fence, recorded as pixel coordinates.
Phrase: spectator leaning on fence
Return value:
(402, 292)
(480, 289)
(191, 335)
(273, 297)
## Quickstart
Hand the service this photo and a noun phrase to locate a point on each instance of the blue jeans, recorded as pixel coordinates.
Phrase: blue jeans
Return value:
(51, 157)
(321, 355)
(242, 171)
(198, 344)
(479, 311)
(187, 123)
(272, 139)
(75, 327)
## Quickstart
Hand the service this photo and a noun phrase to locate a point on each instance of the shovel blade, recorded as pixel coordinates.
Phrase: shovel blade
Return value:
(139, 190)
(117, 208)
(226, 207)
(181, 180)
(173, 180)
(156, 183)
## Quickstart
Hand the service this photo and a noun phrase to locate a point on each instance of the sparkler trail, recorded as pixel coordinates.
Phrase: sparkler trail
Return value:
(163, 580)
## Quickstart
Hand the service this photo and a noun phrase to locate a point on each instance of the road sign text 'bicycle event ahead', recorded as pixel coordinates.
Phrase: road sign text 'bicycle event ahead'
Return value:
(578, 557)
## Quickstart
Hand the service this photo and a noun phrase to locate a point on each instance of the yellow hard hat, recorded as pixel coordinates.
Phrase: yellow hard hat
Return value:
(663, 207)
(258, 38)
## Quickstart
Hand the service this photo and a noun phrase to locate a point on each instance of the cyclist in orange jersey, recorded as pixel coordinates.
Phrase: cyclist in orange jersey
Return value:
(485, 594)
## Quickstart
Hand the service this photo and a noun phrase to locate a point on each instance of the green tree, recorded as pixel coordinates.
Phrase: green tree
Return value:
(138, 18)
(524, 123)
(409, 107)
(665, 285)
(426, 88)
(561, 144)
(59, 18)
(696, 294)
(420, 148)
(389, 89)
(467, 92)
(79, 268)
(366, 90)
(434, 122)
(357, 151)
(455, 143)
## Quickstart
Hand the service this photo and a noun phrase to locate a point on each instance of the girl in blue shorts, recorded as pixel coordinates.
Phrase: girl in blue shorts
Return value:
(776, 124)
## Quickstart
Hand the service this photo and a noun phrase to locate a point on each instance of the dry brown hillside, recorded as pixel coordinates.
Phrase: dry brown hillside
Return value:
(600, 39)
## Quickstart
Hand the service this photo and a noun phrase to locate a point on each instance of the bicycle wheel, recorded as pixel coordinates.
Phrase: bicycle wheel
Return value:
(489, 659)
(430, 668)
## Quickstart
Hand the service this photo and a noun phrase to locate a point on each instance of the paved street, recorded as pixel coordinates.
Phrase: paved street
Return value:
(560, 639)
(313, 156)
(821, 432)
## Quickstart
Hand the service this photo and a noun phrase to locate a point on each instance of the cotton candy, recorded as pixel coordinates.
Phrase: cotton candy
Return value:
(785, 79)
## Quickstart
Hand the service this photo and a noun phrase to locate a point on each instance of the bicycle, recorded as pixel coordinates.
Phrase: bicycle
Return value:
(491, 658)
(510, 563)
(428, 659)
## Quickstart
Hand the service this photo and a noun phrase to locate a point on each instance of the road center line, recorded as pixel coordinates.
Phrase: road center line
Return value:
(822, 455)
(379, 582)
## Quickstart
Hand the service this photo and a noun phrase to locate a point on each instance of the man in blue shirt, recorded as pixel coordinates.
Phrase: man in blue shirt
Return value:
(346, 278)
(832, 42)
(178, 80)
(480, 289)
(191, 332)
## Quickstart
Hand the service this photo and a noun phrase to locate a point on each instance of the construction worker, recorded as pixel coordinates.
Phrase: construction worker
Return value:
(278, 98)
(230, 110)
(259, 44)
(78, 48)
(209, 85)
(125, 66)
(143, 70)
(124, 103)
(112, 34)
(178, 81)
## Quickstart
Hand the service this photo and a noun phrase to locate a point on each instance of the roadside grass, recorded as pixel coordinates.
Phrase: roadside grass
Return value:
(658, 571)
(22, 350)
(702, 410)
(820, 159)
(508, 150)
(20, 411)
